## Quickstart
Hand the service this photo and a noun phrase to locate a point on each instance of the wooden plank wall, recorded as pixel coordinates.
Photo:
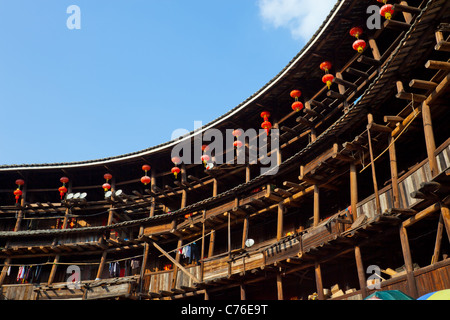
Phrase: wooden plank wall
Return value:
(17, 292)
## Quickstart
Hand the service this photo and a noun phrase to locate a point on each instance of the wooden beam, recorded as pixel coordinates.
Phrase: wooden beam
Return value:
(316, 206)
(175, 262)
(280, 218)
(422, 84)
(394, 173)
(353, 191)
(279, 286)
(319, 283)
(437, 65)
(437, 245)
(411, 282)
(361, 272)
(429, 139)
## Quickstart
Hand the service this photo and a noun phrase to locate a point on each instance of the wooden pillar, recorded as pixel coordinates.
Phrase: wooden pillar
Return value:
(316, 206)
(202, 255)
(247, 173)
(175, 267)
(313, 134)
(429, 139)
(411, 282)
(214, 187)
(445, 212)
(184, 191)
(206, 295)
(20, 213)
(394, 173)
(374, 175)
(280, 286)
(353, 191)
(319, 283)
(280, 221)
(242, 291)
(152, 184)
(51, 277)
(361, 273)
(437, 245)
(229, 243)
(245, 232)
(144, 265)
(212, 238)
(4, 270)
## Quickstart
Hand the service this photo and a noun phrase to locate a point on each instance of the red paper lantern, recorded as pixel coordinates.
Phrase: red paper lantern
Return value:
(205, 159)
(326, 66)
(328, 79)
(359, 45)
(17, 194)
(266, 125)
(265, 115)
(297, 106)
(62, 190)
(20, 182)
(146, 168)
(64, 180)
(237, 132)
(176, 160)
(356, 32)
(107, 176)
(296, 94)
(175, 171)
(145, 180)
(237, 144)
(387, 11)
(106, 186)
(205, 147)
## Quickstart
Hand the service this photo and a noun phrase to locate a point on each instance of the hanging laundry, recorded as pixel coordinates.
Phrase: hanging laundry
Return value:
(114, 269)
(21, 273)
(134, 263)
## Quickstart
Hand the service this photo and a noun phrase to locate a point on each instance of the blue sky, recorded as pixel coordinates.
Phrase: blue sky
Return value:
(136, 70)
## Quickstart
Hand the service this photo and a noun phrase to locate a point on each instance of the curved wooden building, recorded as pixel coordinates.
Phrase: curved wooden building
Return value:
(358, 200)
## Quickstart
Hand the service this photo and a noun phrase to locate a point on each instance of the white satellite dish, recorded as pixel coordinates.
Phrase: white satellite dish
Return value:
(108, 194)
(249, 243)
(76, 195)
(69, 196)
(118, 192)
(83, 195)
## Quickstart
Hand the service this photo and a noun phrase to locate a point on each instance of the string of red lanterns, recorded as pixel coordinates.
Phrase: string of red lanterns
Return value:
(266, 125)
(146, 179)
(175, 170)
(205, 158)
(297, 105)
(328, 77)
(18, 193)
(237, 133)
(106, 186)
(63, 190)
(359, 45)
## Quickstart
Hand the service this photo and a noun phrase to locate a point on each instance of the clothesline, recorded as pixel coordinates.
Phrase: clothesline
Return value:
(67, 263)
(184, 245)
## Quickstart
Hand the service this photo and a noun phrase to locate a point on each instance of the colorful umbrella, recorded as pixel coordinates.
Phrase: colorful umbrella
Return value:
(437, 295)
(388, 295)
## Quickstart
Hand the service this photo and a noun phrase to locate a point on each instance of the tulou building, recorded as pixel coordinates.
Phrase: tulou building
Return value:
(355, 201)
